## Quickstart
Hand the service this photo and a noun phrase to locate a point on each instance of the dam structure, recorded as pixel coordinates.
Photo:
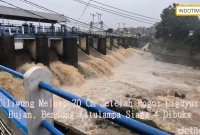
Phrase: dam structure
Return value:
(29, 42)
(46, 44)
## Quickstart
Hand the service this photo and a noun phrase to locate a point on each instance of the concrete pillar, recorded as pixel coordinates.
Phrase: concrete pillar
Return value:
(7, 52)
(123, 42)
(30, 45)
(70, 51)
(87, 50)
(133, 42)
(102, 45)
(42, 50)
(84, 44)
(115, 42)
(120, 41)
(95, 42)
(58, 46)
(130, 42)
(111, 42)
(108, 43)
(34, 94)
(90, 41)
(126, 42)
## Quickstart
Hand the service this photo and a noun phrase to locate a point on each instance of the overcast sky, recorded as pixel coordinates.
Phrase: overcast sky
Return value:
(71, 8)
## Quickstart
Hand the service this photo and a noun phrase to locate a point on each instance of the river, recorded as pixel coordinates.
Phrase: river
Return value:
(140, 75)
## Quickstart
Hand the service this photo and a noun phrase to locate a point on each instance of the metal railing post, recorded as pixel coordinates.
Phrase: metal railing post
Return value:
(42, 100)
(22, 29)
(43, 28)
(9, 29)
(36, 29)
(16, 29)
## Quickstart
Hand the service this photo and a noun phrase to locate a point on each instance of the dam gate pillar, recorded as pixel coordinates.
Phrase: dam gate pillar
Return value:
(70, 51)
(108, 43)
(84, 43)
(102, 45)
(42, 50)
(7, 52)
(120, 41)
(115, 42)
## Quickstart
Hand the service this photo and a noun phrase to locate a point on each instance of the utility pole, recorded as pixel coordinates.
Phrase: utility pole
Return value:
(93, 15)
(99, 16)
(124, 28)
(124, 25)
(118, 25)
(150, 34)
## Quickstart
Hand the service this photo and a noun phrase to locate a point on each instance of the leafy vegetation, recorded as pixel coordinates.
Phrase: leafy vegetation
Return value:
(177, 28)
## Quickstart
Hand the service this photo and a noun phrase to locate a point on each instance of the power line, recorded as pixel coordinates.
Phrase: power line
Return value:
(84, 10)
(107, 40)
(26, 10)
(102, 8)
(21, 4)
(45, 18)
(23, 9)
(105, 25)
(117, 13)
(124, 10)
(46, 9)
(43, 8)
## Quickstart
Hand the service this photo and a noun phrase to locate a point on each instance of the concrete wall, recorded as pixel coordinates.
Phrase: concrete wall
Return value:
(120, 41)
(115, 42)
(7, 52)
(30, 45)
(70, 51)
(176, 56)
(172, 52)
(95, 42)
(22, 56)
(90, 41)
(102, 45)
(58, 46)
(140, 44)
(125, 42)
(83, 43)
(108, 43)
(42, 49)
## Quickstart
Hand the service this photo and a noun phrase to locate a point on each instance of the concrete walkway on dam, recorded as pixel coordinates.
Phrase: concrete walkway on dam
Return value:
(143, 76)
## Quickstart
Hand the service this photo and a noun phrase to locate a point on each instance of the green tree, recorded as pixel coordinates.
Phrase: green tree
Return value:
(174, 27)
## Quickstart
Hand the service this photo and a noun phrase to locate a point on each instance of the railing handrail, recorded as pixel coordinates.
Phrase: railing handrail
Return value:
(17, 74)
(13, 99)
(53, 130)
(44, 123)
(129, 123)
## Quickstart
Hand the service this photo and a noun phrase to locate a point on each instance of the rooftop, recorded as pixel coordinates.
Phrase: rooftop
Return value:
(35, 16)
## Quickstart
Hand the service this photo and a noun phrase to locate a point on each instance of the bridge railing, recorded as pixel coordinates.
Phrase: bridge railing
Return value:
(37, 83)
(19, 29)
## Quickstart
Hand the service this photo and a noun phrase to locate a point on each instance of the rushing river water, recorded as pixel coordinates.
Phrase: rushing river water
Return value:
(171, 91)
(151, 79)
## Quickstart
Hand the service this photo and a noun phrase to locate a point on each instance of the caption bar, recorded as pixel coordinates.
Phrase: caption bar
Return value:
(188, 10)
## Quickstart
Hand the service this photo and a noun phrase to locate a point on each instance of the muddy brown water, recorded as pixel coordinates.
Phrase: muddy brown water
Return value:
(141, 75)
